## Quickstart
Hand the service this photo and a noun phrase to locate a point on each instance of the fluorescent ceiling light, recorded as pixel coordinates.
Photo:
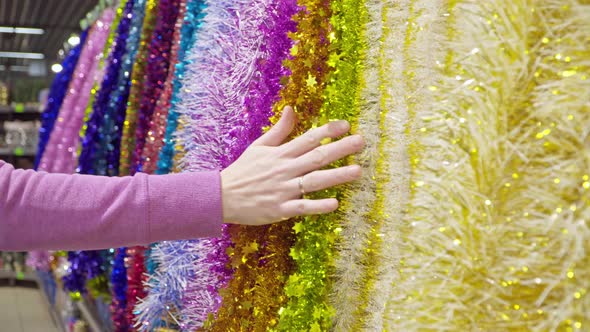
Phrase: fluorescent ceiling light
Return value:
(29, 31)
(22, 55)
(23, 69)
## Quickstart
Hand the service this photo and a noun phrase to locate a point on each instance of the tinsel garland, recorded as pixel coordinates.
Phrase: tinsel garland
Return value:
(495, 237)
(119, 292)
(259, 258)
(110, 136)
(310, 66)
(56, 96)
(393, 167)
(171, 261)
(156, 73)
(189, 32)
(91, 147)
(123, 311)
(60, 152)
(103, 63)
(37, 259)
(84, 265)
(363, 216)
(106, 161)
(153, 143)
(138, 76)
(214, 87)
(157, 124)
(160, 55)
(166, 286)
(308, 287)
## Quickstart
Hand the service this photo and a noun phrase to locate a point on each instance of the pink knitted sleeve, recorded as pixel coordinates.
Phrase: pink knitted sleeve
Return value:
(74, 212)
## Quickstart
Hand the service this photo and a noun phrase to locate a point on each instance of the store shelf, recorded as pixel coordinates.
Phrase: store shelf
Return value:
(90, 316)
(16, 276)
(16, 152)
(53, 310)
(22, 113)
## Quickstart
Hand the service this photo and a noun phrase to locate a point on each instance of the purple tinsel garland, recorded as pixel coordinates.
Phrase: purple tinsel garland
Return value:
(229, 93)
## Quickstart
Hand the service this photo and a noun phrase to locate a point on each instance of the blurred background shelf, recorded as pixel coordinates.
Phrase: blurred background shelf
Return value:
(16, 152)
(20, 113)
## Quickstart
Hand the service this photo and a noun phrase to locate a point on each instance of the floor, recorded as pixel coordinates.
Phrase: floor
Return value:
(23, 310)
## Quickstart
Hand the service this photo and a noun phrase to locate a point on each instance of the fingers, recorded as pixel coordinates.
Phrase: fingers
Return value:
(313, 138)
(327, 154)
(280, 131)
(306, 207)
(320, 180)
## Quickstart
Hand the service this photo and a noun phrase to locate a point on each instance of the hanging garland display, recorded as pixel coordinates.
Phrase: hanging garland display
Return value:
(473, 205)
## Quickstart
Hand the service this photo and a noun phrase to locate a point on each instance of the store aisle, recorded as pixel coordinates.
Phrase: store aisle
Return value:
(23, 310)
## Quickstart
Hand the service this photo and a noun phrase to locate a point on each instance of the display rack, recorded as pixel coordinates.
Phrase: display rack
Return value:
(15, 277)
(90, 316)
(18, 112)
(30, 278)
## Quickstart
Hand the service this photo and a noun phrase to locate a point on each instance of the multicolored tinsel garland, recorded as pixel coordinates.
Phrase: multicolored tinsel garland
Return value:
(157, 124)
(259, 259)
(91, 147)
(160, 54)
(308, 287)
(110, 137)
(171, 261)
(138, 75)
(57, 93)
(156, 73)
(111, 130)
(99, 284)
(102, 65)
(500, 173)
(123, 311)
(60, 152)
(189, 31)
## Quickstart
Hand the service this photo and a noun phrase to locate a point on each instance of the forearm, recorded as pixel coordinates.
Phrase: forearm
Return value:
(71, 212)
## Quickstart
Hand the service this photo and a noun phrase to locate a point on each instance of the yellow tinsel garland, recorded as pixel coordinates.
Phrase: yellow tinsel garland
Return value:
(496, 235)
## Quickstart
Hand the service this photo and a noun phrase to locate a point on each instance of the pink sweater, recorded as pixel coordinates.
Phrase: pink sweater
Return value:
(72, 212)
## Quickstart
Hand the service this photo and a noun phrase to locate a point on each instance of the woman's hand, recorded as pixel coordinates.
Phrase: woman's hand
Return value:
(266, 183)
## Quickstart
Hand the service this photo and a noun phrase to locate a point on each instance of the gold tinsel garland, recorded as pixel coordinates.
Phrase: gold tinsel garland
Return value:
(496, 235)
(254, 296)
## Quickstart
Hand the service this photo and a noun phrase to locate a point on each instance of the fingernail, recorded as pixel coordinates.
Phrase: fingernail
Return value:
(345, 125)
(358, 141)
(354, 171)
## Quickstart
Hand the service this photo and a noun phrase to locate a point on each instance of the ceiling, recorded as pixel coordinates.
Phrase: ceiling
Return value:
(59, 19)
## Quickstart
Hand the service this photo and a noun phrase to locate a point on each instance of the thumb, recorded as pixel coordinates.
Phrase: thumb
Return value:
(280, 131)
